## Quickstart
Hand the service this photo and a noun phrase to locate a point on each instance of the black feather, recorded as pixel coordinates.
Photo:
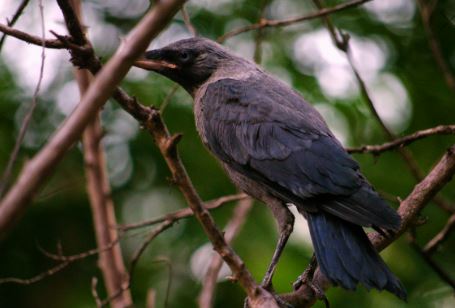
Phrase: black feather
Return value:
(346, 256)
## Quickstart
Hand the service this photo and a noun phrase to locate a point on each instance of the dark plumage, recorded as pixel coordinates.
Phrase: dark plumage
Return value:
(277, 148)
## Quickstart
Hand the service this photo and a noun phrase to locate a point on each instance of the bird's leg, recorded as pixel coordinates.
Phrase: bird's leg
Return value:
(285, 221)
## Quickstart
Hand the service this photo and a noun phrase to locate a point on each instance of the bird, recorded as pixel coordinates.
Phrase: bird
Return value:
(277, 148)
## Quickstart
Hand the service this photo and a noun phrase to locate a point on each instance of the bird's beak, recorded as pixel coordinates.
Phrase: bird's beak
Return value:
(153, 65)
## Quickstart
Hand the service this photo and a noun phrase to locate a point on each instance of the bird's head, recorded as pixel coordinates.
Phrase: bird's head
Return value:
(189, 62)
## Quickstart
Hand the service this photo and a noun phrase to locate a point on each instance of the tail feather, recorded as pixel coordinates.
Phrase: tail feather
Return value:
(347, 257)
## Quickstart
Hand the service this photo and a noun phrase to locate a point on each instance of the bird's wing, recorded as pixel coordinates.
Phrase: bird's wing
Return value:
(268, 133)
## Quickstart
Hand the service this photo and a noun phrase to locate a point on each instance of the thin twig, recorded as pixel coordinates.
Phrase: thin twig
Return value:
(13, 20)
(135, 259)
(168, 98)
(439, 238)
(187, 21)
(268, 23)
(183, 213)
(95, 292)
(403, 141)
(37, 278)
(168, 263)
(28, 38)
(426, 10)
(431, 263)
(341, 41)
(28, 117)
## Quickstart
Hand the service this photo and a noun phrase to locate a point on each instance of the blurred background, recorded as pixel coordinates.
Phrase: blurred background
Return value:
(391, 51)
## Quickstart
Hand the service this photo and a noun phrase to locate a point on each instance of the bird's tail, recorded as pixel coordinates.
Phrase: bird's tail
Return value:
(346, 256)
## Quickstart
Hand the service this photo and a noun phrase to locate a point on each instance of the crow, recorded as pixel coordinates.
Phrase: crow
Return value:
(278, 149)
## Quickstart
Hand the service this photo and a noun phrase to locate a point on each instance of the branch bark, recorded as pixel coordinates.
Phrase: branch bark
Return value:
(403, 141)
(110, 261)
(206, 296)
(36, 170)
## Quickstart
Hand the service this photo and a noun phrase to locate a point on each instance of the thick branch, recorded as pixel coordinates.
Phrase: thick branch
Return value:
(422, 193)
(110, 261)
(403, 141)
(167, 145)
(42, 165)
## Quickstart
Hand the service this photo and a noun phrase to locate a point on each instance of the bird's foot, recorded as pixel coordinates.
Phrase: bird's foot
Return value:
(318, 291)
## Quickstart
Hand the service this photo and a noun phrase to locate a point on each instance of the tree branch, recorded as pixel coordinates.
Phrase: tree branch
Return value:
(341, 41)
(403, 141)
(28, 116)
(15, 17)
(35, 40)
(206, 296)
(267, 23)
(183, 213)
(422, 193)
(439, 238)
(426, 11)
(42, 165)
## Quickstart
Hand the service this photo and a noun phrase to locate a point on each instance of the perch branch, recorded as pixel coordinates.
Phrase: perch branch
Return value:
(206, 296)
(422, 193)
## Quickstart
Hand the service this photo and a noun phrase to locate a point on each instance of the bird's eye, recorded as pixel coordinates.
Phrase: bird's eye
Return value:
(184, 56)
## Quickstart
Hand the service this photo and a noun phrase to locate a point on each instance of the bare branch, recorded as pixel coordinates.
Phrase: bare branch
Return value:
(28, 117)
(35, 40)
(206, 296)
(431, 263)
(341, 41)
(439, 238)
(422, 193)
(266, 23)
(183, 213)
(167, 145)
(15, 17)
(426, 10)
(39, 277)
(31, 178)
(187, 20)
(110, 261)
(403, 141)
